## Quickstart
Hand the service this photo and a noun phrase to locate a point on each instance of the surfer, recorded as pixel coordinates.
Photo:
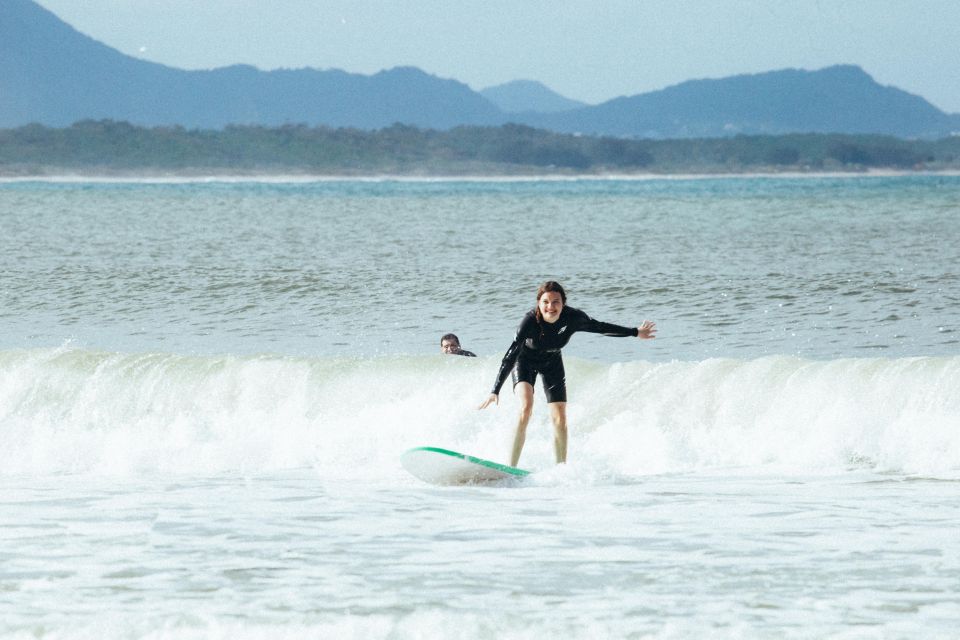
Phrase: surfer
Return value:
(542, 333)
(450, 344)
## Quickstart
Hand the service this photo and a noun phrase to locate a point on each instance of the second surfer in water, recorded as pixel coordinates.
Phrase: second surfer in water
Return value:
(536, 350)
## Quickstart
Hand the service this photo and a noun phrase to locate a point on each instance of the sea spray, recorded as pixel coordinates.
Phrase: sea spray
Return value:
(76, 411)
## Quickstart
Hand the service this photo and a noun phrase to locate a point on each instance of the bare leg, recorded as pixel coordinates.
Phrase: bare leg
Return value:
(523, 391)
(558, 412)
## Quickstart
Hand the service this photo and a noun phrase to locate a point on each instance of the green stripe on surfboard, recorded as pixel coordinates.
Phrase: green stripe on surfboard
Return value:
(440, 466)
(514, 471)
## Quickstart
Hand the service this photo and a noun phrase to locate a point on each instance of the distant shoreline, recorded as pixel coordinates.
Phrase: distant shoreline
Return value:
(298, 178)
(119, 150)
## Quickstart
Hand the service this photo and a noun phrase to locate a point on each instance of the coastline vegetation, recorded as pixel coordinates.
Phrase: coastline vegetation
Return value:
(106, 147)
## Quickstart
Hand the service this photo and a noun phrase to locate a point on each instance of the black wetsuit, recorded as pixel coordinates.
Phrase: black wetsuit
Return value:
(464, 352)
(536, 349)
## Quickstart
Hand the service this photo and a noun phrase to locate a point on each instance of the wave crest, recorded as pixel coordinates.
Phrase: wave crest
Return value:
(75, 411)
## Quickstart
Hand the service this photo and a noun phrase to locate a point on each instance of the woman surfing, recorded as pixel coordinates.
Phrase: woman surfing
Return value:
(542, 333)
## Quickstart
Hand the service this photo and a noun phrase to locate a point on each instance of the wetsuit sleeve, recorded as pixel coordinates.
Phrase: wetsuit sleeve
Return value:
(513, 352)
(509, 359)
(589, 325)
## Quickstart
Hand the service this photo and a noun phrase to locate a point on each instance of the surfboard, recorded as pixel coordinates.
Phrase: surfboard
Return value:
(445, 467)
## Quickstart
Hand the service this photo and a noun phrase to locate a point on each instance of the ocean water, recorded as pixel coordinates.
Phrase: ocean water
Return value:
(205, 387)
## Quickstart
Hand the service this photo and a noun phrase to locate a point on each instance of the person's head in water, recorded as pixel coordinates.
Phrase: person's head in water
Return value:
(550, 300)
(450, 344)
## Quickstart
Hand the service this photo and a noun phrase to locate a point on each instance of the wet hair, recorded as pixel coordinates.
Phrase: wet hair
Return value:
(450, 336)
(549, 286)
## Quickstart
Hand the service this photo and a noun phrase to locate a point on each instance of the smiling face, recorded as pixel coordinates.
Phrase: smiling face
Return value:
(550, 305)
(450, 346)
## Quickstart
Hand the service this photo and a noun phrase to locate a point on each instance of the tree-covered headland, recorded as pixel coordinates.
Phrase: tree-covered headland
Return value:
(112, 148)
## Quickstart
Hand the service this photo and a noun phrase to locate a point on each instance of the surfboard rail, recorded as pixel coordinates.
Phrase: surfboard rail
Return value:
(437, 465)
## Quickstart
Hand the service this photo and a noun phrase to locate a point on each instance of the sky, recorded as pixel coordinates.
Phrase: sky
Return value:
(590, 51)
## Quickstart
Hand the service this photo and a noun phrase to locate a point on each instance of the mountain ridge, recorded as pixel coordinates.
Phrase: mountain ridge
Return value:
(42, 60)
(768, 103)
(54, 75)
(528, 96)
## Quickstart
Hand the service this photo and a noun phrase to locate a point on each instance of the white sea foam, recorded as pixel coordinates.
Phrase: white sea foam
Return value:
(150, 495)
(75, 411)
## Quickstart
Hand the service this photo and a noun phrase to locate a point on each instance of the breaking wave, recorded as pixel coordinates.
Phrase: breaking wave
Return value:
(75, 411)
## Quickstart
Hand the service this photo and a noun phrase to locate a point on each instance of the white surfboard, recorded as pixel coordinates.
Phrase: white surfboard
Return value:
(445, 467)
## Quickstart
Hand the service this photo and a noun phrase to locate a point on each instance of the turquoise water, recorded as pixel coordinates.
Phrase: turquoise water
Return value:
(818, 268)
(205, 388)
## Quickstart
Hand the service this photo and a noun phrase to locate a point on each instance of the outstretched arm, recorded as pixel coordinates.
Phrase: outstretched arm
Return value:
(584, 322)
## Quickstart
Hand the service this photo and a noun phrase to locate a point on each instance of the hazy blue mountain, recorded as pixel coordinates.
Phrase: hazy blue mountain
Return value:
(52, 74)
(522, 96)
(838, 99)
